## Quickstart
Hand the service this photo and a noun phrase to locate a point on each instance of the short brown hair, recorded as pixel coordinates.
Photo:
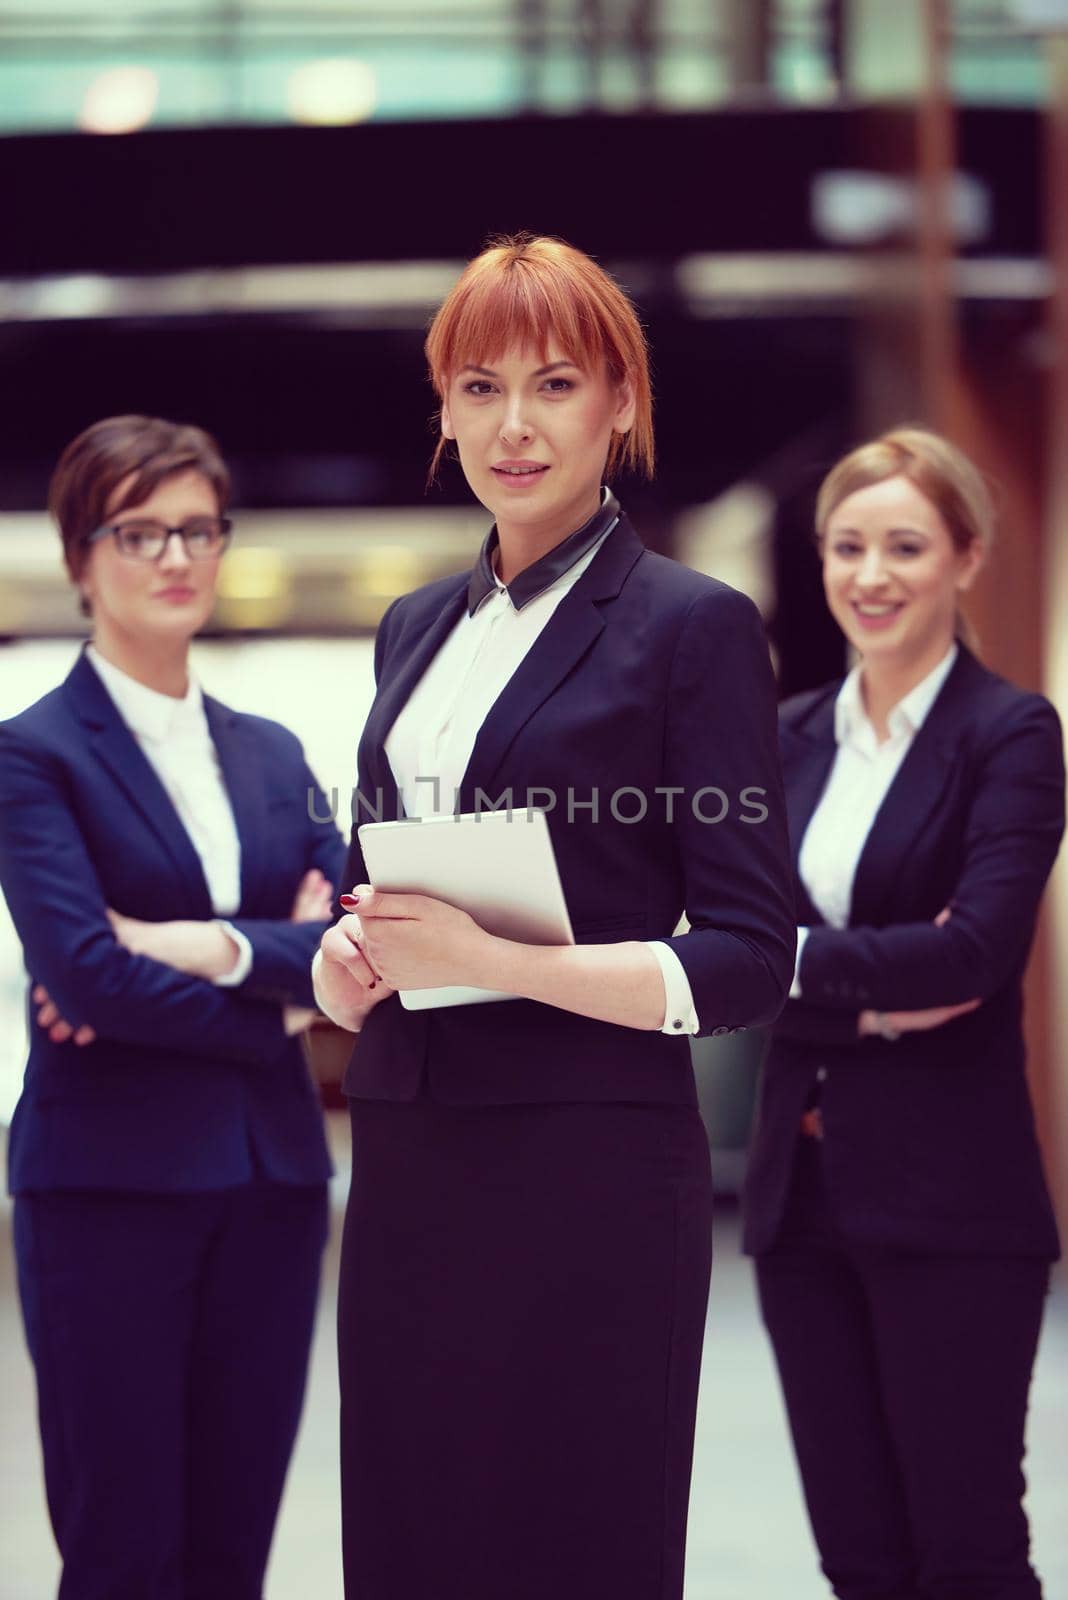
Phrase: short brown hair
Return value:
(942, 473)
(98, 460)
(525, 290)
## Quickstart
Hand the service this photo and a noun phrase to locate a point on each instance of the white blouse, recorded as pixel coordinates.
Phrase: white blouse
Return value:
(430, 744)
(859, 780)
(176, 741)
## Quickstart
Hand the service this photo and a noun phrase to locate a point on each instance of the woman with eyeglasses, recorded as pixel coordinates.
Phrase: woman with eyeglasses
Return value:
(169, 882)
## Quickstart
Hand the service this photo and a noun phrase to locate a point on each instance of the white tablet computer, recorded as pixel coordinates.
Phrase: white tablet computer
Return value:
(499, 866)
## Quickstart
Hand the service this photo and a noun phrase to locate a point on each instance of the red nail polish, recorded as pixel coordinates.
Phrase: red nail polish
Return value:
(348, 900)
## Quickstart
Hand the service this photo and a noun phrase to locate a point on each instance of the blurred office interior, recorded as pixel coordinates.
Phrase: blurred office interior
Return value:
(834, 215)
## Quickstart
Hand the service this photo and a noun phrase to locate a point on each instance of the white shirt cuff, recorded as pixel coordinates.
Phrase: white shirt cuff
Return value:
(795, 987)
(679, 1013)
(243, 965)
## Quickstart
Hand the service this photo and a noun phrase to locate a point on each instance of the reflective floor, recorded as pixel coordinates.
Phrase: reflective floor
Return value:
(748, 1536)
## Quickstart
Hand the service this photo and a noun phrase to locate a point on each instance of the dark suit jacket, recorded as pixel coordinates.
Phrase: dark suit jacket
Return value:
(188, 1086)
(930, 1140)
(648, 676)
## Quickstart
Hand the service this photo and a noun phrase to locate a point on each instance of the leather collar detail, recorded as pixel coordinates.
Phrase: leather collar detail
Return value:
(538, 577)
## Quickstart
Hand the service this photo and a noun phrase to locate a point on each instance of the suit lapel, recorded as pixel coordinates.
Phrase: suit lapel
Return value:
(120, 752)
(561, 644)
(394, 694)
(239, 762)
(808, 755)
(565, 639)
(918, 785)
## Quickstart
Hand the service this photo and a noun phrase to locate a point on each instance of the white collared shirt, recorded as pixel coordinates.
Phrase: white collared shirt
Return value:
(177, 743)
(434, 735)
(859, 780)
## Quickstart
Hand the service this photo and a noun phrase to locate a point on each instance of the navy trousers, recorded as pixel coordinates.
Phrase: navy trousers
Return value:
(170, 1338)
(906, 1379)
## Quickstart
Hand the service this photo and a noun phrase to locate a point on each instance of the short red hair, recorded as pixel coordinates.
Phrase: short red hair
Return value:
(529, 291)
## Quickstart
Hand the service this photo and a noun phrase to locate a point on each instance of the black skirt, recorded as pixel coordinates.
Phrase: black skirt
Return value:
(522, 1308)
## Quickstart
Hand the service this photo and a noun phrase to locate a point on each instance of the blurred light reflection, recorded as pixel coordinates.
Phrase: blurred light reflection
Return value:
(120, 100)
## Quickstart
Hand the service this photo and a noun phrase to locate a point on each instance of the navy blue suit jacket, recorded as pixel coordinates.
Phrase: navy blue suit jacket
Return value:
(648, 677)
(188, 1086)
(930, 1141)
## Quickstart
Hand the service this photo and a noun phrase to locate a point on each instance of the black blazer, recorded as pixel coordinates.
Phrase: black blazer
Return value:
(648, 676)
(188, 1086)
(929, 1139)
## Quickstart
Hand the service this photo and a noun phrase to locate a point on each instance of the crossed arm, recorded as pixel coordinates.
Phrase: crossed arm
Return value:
(96, 969)
(920, 975)
(199, 949)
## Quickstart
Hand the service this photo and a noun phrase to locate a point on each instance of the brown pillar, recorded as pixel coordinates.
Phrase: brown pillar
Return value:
(914, 364)
(936, 159)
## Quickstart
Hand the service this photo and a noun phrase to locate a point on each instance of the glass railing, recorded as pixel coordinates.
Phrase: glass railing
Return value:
(68, 64)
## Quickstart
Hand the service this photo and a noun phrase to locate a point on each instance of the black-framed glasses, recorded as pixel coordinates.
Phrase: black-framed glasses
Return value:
(145, 539)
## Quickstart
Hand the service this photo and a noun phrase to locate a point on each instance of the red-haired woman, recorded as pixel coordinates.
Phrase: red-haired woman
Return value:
(895, 1199)
(528, 1237)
